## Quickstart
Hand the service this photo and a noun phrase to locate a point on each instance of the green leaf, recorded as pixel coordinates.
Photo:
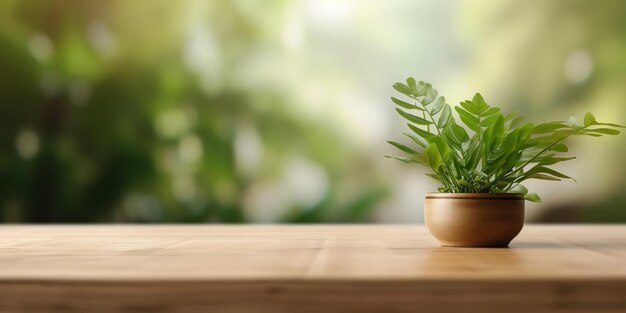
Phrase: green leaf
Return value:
(589, 119)
(489, 112)
(446, 115)
(490, 120)
(410, 82)
(539, 169)
(472, 153)
(560, 147)
(546, 139)
(437, 105)
(402, 147)
(516, 121)
(418, 140)
(434, 157)
(564, 133)
(459, 132)
(442, 146)
(525, 131)
(470, 107)
(405, 105)
(554, 173)
(401, 159)
(552, 160)
(532, 197)
(543, 177)
(420, 132)
(512, 160)
(465, 183)
(604, 131)
(468, 119)
(610, 124)
(549, 127)
(422, 88)
(430, 96)
(510, 116)
(413, 118)
(402, 88)
(487, 140)
(519, 189)
(480, 103)
(493, 134)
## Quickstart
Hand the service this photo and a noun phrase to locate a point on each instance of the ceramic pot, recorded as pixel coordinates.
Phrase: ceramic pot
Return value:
(474, 219)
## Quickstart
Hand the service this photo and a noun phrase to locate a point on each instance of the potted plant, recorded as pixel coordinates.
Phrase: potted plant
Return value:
(482, 162)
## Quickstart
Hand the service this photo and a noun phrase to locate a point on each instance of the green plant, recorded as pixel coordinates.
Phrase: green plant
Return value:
(496, 152)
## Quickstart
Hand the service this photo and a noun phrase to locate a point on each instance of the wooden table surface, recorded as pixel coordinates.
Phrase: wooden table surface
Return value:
(337, 268)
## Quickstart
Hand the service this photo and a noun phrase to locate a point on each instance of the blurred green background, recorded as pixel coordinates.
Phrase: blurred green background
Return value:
(278, 111)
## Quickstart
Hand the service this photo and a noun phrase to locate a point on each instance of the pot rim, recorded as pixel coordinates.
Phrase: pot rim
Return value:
(486, 196)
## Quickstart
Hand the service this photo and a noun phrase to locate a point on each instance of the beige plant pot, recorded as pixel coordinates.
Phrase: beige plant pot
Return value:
(474, 219)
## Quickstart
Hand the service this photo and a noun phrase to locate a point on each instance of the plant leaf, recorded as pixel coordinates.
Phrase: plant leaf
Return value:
(470, 107)
(422, 88)
(554, 173)
(604, 131)
(401, 159)
(472, 153)
(413, 118)
(437, 105)
(559, 148)
(491, 111)
(468, 119)
(434, 157)
(543, 177)
(549, 127)
(430, 96)
(420, 132)
(519, 189)
(459, 132)
(512, 160)
(552, 160)
(402, 88)
(589, 119)
(610, 124)
(402, 147)
(525, 131)
(493, 135)
(490, 120)
(516, 121)
(446, 115)
(410, 82)
(418, 140)
(539, 169)
(480, 103)
(405, 105)
(442, 146)
(532, 197)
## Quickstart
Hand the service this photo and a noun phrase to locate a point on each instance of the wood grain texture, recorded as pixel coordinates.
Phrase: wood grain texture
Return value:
(390, 268)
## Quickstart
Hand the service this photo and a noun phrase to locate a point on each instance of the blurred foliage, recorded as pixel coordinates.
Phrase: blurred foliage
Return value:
(130, 111)
(266, 111)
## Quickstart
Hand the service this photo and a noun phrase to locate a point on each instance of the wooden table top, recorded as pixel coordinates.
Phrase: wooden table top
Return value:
(561, 266)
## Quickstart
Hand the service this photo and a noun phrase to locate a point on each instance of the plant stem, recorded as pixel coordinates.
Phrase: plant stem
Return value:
(445, 166)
